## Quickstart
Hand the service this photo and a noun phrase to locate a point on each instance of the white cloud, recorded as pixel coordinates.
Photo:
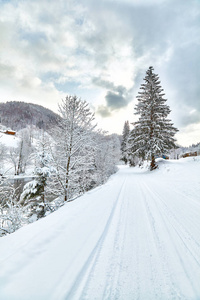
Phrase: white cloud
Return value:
(189, 135)
(46, 44)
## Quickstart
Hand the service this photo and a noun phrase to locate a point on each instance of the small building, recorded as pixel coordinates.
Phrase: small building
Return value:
(11, 132)
(189, 154)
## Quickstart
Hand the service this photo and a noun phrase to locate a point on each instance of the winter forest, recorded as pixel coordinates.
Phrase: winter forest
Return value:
(72, 157)
(69, 159)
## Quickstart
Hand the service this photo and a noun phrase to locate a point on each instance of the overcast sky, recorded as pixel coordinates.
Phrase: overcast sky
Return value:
(100, 51)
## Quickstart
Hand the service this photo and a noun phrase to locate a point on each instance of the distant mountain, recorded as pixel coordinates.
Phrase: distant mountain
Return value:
(18, 115)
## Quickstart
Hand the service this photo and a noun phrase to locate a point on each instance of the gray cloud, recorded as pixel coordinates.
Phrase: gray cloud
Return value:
(115, 100)
(103, 111)
(190, 118)
(103, 83)
(177, 27)
(165, 35)
(117, 97)
(183, 75)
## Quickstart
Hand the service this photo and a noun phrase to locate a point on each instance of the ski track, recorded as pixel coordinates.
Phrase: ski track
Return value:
(154, 213)
(182, 230)
(117, 262)
(137, 239)
(93, 256)
(179, 236)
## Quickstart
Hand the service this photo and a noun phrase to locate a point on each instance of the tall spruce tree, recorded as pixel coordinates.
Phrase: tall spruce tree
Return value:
(125, 135)
(153, 133)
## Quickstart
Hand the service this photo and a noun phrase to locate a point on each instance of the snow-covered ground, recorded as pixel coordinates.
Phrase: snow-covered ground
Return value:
(136, 237)
(9, 140)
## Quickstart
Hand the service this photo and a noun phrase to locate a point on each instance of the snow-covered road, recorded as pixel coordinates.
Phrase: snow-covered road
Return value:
(136, 237)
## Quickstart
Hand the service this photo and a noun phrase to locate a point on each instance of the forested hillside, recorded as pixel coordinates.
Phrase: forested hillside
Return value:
(18, 115)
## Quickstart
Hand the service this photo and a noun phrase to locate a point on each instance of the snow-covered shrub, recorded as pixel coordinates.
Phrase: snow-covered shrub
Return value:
(11, 212)
(34, 195)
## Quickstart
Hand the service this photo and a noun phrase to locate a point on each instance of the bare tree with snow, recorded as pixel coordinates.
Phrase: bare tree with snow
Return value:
(20, 156)
(74, 144)
(11, 212)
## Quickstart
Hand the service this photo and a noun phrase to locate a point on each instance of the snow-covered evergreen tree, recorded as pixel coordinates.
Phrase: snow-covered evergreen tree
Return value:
(11, 212)
(153, 133)
(34, 193)
(72, 153)
(125, 136)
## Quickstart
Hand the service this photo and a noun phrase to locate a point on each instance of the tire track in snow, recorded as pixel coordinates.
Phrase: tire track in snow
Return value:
(122, 277)
(181, 200)
(111, 289)
(182, 230)
(167, 216)
(81, 281)
(157, 250)
(117, 263)
(168, 281)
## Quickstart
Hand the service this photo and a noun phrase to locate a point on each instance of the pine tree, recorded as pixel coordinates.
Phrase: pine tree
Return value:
(153, 133)
(34, 192)
(125, 135)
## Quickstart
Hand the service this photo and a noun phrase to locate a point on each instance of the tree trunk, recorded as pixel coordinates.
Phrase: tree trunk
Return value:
(68, 166)
(153, 165)
(19, 167)
(67, 179)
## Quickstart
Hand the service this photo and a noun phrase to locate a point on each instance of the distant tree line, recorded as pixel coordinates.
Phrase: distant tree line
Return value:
(18, 115)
